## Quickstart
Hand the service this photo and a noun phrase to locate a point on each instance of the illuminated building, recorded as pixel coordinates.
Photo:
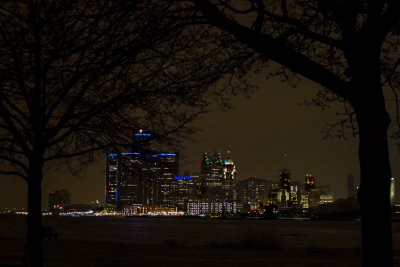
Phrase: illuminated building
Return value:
(165, 168)
(218, 180)
(141, 141)
(229, 183)
(212, 176)
(294, 194)
(313, 195)
(274, 189)
(324, 199)
(284, 181)
(309, 182)
(111, 178)
(59, 198)
(185, 190)
(325, 195)
(304, 200)
(252, 192)
(140, 177)
(209, 208)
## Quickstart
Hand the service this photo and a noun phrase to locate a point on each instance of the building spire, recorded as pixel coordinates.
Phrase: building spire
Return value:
(285, 155)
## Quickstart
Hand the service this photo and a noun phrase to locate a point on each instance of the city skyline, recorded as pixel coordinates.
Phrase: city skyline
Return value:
(256, 147)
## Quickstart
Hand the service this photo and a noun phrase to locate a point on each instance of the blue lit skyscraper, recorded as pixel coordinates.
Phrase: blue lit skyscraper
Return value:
(140, 177)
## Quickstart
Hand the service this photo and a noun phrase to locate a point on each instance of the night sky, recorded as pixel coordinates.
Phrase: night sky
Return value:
(258, 131)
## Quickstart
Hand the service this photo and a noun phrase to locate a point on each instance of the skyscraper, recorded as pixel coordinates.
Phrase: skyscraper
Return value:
(165, 168)
(212, 175)
(185, 190)
(309, 182)
(229, 183)
(284, 182)
(139, 177)
(252, 193)
(284, 179)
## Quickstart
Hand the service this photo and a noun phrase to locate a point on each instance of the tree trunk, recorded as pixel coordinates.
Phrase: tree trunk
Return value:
(373, 121)
(34, 249)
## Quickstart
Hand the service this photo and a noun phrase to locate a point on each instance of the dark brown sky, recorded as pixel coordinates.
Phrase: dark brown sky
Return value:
(258, 132)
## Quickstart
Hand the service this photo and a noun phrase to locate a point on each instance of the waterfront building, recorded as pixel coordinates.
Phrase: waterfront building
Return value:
(166, 167)
(252, 193)
(59, 198)
(185, 190)
(208, 208)
(325, 194)
(143, 177)
(313, 195)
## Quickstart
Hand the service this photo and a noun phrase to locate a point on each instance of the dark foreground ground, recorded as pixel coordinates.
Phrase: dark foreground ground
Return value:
(112, 241)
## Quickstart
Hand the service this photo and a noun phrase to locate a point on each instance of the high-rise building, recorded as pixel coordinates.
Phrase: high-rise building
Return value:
(140, 177)
(141, 141)
(218, 179)
(252, 192)
(284, 181)
(229, 182)
(165, 168)
(294, 196)
(185, 190)
(273, 191)
(59, 198)
(309, 182)
(212, 175)
(314, 195)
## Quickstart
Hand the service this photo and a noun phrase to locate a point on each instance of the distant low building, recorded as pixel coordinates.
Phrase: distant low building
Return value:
(78, 208)
(208, 208)
(59, 198)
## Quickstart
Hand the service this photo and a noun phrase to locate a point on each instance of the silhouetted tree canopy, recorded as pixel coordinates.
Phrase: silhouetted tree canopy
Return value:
(350, 48)
(77, 77)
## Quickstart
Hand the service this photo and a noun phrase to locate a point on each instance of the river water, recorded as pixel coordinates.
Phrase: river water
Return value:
(144, 241)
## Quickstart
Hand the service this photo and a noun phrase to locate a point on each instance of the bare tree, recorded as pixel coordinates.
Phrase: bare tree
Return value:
(77, 76)
(350, 48)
